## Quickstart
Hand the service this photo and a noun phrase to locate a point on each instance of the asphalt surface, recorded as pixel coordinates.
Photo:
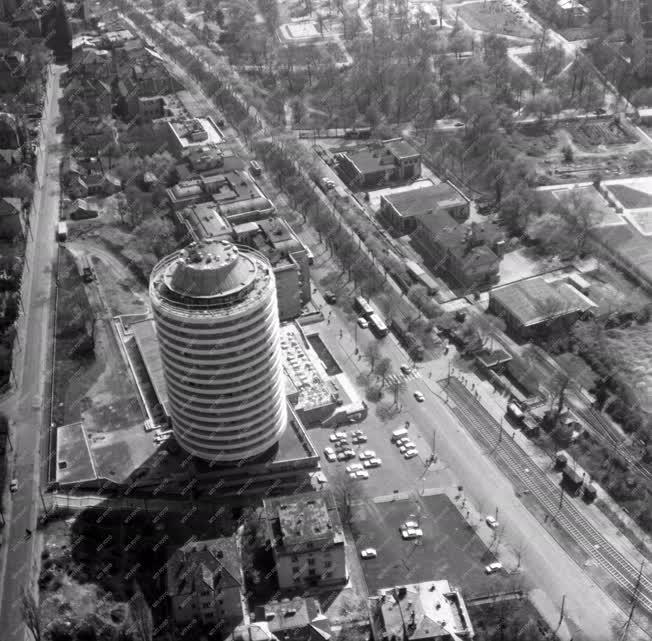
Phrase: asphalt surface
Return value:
(547, 569)
(29, 401)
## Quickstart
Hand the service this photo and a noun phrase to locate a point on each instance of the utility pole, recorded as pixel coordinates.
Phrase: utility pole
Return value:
(635, 591)
(563, 604)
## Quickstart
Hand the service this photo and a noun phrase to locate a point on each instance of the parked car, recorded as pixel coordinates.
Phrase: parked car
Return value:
(403, 441)
(341, 456)
(348, 455)
(333, 438)
(358, 440)
(373, 462)
(330, 455)
(367, 454)
(361, 475)
(407, 445)
(411, 525)
(419, 396)
(354, 467)
(330, 298)
(363, 322)
(341, 435)
(494, 567)
(368, 553)
(411, 532)
(492, 522)
(13, 486)
(357, 433)
(406, 369)
(410, 454)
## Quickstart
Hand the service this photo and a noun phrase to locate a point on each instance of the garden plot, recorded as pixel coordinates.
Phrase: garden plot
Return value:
(494, 17)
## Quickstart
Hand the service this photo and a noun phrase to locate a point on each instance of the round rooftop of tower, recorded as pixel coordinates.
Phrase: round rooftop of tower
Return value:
(209, 269)
(210, 275)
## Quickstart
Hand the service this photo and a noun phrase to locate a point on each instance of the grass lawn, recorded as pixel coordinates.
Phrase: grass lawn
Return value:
(494, 18)
(516, 619)
(449, 547)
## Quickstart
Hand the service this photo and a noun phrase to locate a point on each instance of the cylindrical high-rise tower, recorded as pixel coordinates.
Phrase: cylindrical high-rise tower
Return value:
(217, 323)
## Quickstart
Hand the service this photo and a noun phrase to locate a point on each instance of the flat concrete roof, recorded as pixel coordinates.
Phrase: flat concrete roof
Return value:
(145, 335)
(74, 459)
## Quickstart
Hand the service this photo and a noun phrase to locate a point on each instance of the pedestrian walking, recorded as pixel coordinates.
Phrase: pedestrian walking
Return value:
(341, 333)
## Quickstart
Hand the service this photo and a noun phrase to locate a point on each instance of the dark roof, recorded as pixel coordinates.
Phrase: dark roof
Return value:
(10, 206)
(417, 202)
(528, 300)
(298, 619)
(400, 148)
(201, 565)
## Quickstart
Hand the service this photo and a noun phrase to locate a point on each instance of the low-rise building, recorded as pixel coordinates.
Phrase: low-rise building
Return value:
(9, 137)
(468, 256)
(429, 611)
(203, 221)
(12, 70)
(91, 62)
(381, 163)
(297, 619)
(404, 209)
(307, 540)
(532, 305)
(211, 158)
(11, 225)
(81, 209)
(184, 134)
(95, 93)
(205, 583)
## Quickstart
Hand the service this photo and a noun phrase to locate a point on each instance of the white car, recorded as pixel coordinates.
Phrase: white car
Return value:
(333, 438)
(407, 445)
(348, 454)
(411, 533)
(406, 369)
(330, 455)
(354, 467)
(363, 323)
(358, 440)
(410, 525)
(411, 454)
(368, 553)
(357, 433)
(341, 456)
(491, 522)
(419, 396)
(373, 462)
(340, 436)
(13, 486)
(367, 454)
(402, 441)
(494, 567)
(362, 474)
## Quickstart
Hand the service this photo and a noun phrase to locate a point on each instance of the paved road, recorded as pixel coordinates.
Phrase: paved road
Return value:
(27, 407)
(544, 563)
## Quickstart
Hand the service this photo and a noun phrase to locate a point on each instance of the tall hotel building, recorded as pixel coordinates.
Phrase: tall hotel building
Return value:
(217, 322)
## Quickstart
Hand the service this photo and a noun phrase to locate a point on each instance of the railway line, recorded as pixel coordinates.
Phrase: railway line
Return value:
(516, 462)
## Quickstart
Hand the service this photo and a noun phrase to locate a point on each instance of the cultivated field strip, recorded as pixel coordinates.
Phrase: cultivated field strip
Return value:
(512, 458)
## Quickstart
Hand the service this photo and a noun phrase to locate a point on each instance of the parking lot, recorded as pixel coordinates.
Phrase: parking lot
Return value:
(449, 548)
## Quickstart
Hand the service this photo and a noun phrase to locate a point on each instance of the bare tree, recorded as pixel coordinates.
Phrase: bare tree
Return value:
(31, 614)
(397, 387)
(141, 616)
(347, 493)
(372, 354)
(383, 369)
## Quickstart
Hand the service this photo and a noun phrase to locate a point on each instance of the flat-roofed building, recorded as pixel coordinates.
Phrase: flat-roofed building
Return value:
(307, 539)
(380, 163)
(404, 209)
(203, 221)
(531, 305)
(429, 611)
(184, 134)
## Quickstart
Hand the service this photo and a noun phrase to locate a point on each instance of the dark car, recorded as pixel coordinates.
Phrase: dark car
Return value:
(330, 298)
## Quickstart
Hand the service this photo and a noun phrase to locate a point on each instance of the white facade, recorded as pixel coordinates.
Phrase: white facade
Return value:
(217, 322)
